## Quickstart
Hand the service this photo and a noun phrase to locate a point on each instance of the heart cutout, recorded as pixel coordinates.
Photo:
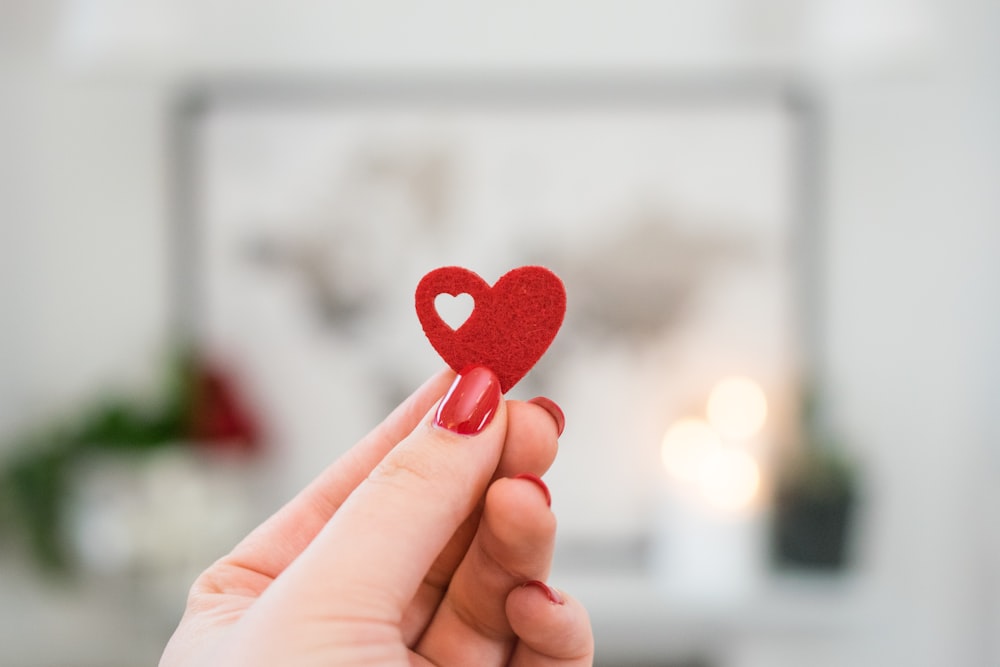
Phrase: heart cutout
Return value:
(511, 325)
(454, 310)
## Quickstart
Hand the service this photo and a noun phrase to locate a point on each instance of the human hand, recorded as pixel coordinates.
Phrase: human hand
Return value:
(426, 544)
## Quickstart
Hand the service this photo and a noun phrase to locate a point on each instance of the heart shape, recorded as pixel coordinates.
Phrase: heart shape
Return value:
(512, 323)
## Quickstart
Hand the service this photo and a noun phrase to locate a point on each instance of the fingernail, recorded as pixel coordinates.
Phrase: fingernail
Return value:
(471, 401)
(550, 592)
(553, 409)
(538, 481)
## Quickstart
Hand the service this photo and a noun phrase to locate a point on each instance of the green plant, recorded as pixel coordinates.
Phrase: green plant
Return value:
(815, 499)
(819, 470)
(35, 480)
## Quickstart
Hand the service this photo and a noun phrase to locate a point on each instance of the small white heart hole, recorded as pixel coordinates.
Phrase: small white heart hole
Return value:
(454, 310)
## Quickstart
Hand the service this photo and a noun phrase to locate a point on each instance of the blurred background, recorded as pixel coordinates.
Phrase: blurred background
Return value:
(778, 226)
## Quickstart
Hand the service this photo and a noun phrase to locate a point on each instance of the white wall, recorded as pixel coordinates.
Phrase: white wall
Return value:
(915, 306)
(85, 244)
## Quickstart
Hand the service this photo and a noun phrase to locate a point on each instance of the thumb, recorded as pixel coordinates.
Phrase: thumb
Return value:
(369, 559)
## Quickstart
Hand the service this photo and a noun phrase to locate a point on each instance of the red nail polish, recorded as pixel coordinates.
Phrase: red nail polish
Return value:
(471, 401)
(550, 592)
(553, 409)
(538, 481)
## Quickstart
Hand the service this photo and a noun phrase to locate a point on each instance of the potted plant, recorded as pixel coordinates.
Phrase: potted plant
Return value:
(815, 502)
(198, 406)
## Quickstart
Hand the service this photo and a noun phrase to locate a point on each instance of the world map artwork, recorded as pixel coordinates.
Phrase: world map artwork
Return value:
(670, 229)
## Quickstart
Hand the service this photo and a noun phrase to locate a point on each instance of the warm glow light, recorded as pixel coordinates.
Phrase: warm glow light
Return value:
(686, 445)
(728, 478)
(737, 407)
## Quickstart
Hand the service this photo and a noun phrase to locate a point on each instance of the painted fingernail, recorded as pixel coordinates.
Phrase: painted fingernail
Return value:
(538, 481)
(550, 592)
(553, 409)
(471, 401)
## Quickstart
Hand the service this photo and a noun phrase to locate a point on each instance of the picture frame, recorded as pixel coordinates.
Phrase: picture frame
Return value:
(306, 210)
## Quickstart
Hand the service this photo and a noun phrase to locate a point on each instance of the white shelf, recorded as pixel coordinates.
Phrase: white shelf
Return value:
(635, 622)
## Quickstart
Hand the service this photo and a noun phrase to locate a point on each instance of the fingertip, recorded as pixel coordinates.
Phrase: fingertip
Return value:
(550, 406)
(537, 481)
(554, 596)
(532, 441)
(517, 512)
(551, 625)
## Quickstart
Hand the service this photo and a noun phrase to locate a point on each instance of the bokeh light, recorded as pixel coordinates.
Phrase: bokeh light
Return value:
(737, 408)
(728, 478)
(685, 446)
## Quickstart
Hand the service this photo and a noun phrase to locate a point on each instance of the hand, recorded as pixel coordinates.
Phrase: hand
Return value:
(426, 544)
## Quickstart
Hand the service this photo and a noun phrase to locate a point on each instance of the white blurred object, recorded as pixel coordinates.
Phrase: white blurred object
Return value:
(707, 556)
(166, 513)
(709, 536)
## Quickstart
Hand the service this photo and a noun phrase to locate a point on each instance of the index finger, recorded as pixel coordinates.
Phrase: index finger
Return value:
(373, 554)
(273, 545)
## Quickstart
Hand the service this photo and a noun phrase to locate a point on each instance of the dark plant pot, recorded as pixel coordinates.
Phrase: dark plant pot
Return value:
(810, 531)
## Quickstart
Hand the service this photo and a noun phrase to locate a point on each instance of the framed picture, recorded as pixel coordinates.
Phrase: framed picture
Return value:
(676, 212)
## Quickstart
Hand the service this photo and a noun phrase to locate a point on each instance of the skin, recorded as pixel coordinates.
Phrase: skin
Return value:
(412, 549)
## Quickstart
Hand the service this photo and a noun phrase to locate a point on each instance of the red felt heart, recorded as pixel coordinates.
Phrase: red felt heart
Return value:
(511, 325)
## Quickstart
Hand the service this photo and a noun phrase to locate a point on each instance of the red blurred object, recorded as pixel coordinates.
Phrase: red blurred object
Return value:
(220, 419)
